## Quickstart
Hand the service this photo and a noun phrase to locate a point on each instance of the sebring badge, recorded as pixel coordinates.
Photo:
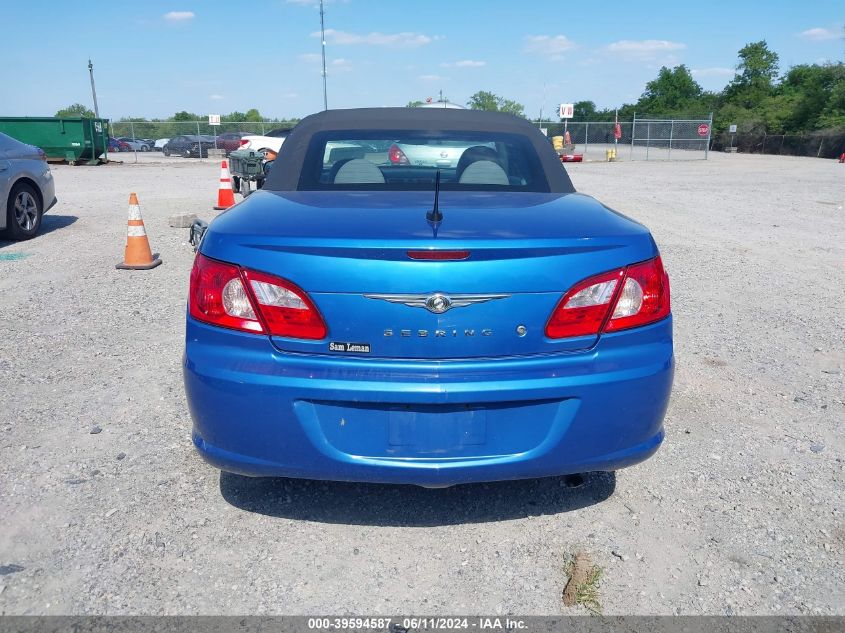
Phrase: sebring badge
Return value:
(437, 303)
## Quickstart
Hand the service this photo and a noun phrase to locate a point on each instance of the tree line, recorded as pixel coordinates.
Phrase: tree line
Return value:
(178, 123)
(806, 98)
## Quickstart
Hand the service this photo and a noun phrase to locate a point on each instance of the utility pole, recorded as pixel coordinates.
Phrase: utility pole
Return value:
(323, 40)
(543, 107)
(93, 89)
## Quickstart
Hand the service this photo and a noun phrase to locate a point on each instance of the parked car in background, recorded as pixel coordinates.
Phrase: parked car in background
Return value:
(189, 145)
(436, 153)
(160, 143)
(116, 145)
(230, 141)
(27, 189)
(136, 145)
(262, 142)
(363, 320)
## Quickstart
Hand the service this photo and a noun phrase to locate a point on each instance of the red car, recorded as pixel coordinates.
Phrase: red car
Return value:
(116, 145)
(230, 141)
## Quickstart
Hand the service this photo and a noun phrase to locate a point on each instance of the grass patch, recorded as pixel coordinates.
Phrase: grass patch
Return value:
(583, 586)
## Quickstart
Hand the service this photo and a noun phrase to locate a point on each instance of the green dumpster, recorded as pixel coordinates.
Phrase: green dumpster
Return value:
(76, 140)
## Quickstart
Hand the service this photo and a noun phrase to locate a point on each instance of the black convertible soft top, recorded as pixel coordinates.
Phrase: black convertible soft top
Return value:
(287, 168)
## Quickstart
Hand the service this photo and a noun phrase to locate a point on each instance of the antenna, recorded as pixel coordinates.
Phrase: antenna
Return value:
(434, 216)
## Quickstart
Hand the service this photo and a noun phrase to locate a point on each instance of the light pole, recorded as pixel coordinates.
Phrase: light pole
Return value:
(93, 89)
(543, 107)
(323, 40)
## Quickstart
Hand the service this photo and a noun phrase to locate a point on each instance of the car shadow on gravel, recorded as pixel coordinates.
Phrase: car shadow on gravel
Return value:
(49, 223)
(392, 505)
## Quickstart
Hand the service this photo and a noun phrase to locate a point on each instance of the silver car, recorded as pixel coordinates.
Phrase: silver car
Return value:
(444, 154)
(27, 189)
(137, 144)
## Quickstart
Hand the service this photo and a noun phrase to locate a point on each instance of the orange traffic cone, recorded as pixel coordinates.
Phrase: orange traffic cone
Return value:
(138, 254)
(225, 196)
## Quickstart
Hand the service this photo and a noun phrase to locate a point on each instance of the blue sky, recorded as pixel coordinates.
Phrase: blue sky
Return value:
(155, 57)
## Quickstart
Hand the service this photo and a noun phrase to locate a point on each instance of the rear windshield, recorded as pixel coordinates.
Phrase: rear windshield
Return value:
(403, 160)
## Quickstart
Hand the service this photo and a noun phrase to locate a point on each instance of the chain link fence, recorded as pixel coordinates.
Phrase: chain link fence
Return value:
(671, 139)
(640, 139)
(156, 130)
(823, 144)
(593, 139)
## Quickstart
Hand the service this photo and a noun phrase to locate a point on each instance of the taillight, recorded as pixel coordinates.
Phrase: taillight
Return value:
(397, 156)
(583, 309)
(243, 142)
(218, 296)
(228, 296)
(644, 297)
(286, 308)
(617, 300)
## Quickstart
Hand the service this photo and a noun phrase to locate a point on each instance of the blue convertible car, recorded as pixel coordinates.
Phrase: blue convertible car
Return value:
(379, 312)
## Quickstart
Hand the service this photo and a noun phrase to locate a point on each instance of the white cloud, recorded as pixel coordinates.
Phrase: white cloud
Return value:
(712, 72)
(430, 78)
(336, 64)
(391, 40)
(341, 64)
(216, 97)
(464, 63)
(179, 16)
(641, 50)
(552, 45)
(819, 34)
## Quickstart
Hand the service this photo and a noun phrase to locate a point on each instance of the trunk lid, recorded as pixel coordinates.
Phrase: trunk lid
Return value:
(348, 251)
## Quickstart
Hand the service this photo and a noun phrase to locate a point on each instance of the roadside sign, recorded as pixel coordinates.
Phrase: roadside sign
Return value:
(733, 129)
(214, 119)
(703, 129)
(567, 110)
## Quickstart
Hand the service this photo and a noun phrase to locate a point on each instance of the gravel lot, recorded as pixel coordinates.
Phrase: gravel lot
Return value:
(741, 511)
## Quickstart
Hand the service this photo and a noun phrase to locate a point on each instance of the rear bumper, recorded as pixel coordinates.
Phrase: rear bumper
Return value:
(260, 412)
